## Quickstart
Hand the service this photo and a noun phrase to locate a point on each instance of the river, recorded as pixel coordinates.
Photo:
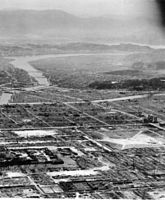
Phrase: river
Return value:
(24, 63)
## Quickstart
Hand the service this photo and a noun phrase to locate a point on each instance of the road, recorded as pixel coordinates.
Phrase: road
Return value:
(122, 98)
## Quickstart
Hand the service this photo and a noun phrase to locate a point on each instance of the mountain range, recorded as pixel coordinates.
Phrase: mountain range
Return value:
(59, 24)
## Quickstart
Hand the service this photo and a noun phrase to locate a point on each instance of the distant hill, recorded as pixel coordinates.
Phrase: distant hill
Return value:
(29, 21)
(56, 23)
(78, 47)
(103, 47)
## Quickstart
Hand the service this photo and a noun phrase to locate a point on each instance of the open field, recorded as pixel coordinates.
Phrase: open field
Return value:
(74, 71)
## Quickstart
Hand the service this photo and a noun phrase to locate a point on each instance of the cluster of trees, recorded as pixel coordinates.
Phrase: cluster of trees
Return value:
(131, 84)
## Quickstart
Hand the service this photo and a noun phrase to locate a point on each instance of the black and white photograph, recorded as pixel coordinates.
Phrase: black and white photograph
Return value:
(82, 99)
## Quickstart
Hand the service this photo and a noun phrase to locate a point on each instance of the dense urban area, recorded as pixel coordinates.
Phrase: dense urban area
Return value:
(67, 131)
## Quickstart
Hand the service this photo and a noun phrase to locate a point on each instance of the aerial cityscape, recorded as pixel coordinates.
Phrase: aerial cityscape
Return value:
(79, 118)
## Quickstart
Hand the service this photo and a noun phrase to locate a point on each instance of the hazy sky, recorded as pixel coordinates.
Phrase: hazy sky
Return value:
(85, 7)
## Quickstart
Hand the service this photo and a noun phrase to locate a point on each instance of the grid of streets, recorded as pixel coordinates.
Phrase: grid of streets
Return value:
(57, 145)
